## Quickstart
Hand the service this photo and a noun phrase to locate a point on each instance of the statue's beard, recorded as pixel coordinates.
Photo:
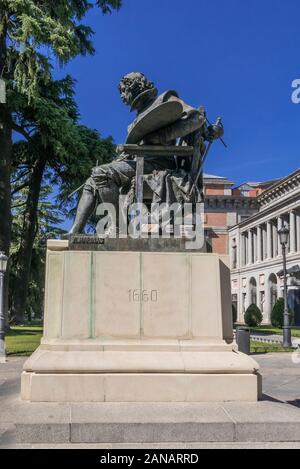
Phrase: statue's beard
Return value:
(127, 98)
(132, 92)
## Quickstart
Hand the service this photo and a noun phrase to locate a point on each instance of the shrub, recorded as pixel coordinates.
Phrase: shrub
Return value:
(234, 314)
(277, 314)
(253, 316)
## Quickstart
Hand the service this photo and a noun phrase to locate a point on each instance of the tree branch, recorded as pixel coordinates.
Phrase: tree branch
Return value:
(28, 171)
(19, 188)
(19, 205)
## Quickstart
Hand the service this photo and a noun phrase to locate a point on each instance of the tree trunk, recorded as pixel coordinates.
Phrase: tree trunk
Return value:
(22, 279)
(5, 191)
(5, 159)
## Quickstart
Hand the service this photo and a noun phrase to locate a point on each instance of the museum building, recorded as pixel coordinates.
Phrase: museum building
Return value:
(256, 253)
(226, 206)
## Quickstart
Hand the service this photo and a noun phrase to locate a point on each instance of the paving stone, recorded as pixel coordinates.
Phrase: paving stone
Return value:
(43, 432)
(113, 425)
(265, 421)
(151, 432)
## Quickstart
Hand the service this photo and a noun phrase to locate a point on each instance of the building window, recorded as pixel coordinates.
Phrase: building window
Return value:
(253, 291)
(234, 299)
(262, 301)
(244, 295)
(273, 290)
(234, 254)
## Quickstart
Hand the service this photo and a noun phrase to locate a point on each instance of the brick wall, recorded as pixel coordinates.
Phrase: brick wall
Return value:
(218, 190)
(216, 219)
(219, 244)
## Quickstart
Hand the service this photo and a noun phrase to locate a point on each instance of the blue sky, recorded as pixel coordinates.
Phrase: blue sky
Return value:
(238, 58)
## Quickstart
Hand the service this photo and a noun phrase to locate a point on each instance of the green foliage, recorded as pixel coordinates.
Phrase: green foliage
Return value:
(33, 34)
(253, 316)
(261, 347)
(69, 151)
(37, 31)
(48, 221)
(95, 150)
(268, 330)
(278, 314)
(108, 5)
(23, 340)
(50, 121)
(50, 128)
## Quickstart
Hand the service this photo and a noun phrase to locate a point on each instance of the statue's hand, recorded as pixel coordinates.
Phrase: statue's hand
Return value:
(215, 132)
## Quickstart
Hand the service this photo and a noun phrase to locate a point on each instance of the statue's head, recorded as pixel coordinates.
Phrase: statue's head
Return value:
(132, 85)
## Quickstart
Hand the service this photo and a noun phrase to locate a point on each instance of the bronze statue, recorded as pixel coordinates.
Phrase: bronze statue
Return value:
(161, 120)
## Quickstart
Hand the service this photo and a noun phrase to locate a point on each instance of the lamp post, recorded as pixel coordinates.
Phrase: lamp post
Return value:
(3, 266)
(284, 239)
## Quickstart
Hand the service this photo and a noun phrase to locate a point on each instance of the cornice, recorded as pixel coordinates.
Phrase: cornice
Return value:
(230, 201)
(282, 189)
(263, 215)
(266, 264)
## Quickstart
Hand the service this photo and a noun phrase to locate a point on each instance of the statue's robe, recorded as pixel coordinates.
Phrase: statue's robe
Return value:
(170, 181)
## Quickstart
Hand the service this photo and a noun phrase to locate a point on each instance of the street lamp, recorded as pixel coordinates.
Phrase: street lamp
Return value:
(3, 266)
(284, 239)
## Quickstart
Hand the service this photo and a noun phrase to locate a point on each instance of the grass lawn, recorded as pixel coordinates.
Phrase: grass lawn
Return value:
(23, 340)
(260, 347)
(273, 330)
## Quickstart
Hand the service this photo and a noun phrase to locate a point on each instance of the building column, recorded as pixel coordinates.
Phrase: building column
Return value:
(267, 305)
(242, 250)
(258, 244)
(298, 231)
(250, 252)
(254, 246)
(269, 240)
(292, 231)
(233, 253)
(275, 240)
(264, 243)
(279, 226)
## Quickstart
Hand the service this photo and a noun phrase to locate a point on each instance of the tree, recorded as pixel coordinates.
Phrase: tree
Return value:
(32, 32)
(56, 149)
(277, 315)
(97, 151)
(48, 221)
(253, 316)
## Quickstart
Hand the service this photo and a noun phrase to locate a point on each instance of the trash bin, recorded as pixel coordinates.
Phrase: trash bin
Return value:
(243, 340)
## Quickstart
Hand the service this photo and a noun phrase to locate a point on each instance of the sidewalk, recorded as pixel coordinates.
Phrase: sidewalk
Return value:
(111, 425)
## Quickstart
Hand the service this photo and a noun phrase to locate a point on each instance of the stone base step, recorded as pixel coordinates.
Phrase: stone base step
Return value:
(151, 423)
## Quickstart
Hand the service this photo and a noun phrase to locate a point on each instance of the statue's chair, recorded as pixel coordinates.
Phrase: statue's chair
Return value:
(181, 151)
(143, 193)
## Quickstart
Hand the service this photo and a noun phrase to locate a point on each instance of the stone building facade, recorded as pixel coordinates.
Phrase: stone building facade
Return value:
(256, 253)
(226, 206)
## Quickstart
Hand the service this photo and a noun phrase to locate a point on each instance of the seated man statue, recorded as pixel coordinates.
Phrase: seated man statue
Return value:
(161, 120)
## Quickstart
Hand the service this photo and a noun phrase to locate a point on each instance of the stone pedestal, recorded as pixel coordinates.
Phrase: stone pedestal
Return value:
(137, 327)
